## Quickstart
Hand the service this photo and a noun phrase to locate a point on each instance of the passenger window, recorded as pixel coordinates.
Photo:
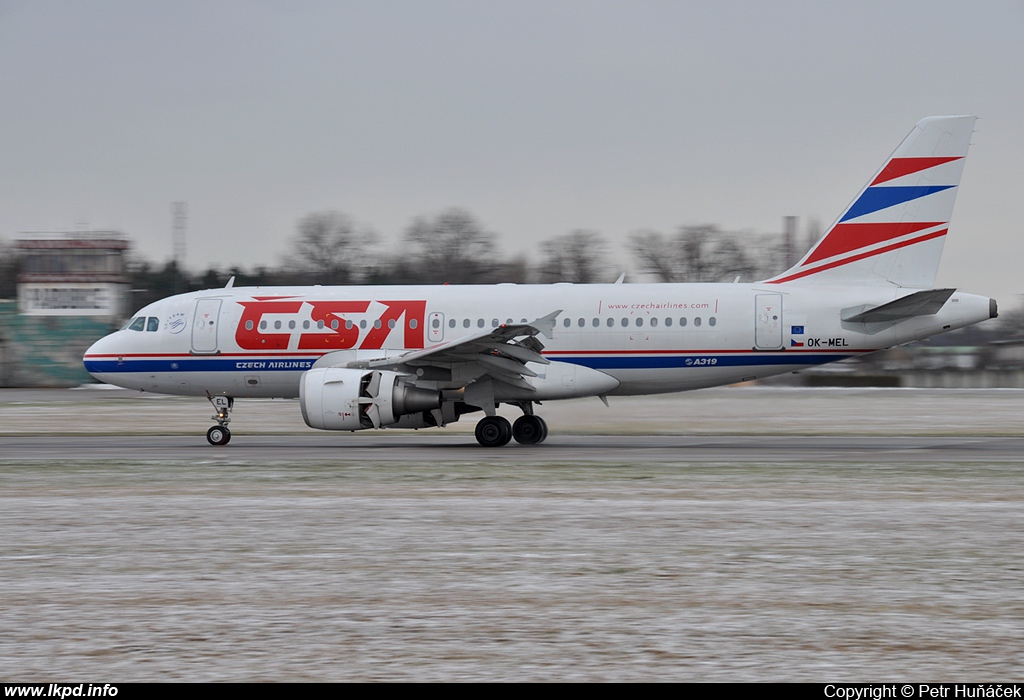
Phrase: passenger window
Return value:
(334, 324)
(152, 323)
(597, 322)
(682, 322)
(611, 322)
(712, 321)
(436, 323)
(138, 324)
(582, 322)
(668, 321)
(567, 322)
(248, 325)
(391, 323)
(465, 323)
(451, 323)
(696, 321)
(654, 322)
(494, 323)
(479, 323)
(413, 323)
(639, 321)
(625, 322)
(291, 325)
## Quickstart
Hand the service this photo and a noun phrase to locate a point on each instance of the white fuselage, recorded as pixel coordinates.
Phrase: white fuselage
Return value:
(651, 338)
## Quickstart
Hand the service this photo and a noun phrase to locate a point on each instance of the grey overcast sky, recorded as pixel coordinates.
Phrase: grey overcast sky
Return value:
(539, 117)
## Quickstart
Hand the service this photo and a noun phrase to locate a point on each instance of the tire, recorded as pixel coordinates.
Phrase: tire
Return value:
(529, 430)
(493, 431)
(218, 435)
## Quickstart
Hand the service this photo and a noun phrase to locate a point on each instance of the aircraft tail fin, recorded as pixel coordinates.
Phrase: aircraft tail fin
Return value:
(893, 232)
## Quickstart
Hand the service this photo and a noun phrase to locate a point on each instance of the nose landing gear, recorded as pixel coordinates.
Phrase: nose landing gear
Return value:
(219, 434)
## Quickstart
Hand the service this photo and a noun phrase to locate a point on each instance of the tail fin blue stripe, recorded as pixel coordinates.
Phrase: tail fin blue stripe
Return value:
(877, 198)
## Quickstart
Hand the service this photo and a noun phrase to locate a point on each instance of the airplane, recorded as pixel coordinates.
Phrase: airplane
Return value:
(363, 357)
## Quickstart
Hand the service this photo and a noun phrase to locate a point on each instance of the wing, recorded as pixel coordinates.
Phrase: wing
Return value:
(500, 353)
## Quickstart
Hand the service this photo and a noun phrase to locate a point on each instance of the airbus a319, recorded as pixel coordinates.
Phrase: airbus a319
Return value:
(360, 357)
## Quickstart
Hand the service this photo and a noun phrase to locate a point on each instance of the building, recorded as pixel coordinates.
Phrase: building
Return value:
(72, 289)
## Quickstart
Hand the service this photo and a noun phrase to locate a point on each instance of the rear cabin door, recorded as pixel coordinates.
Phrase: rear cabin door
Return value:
(768, 322)
(204, 326)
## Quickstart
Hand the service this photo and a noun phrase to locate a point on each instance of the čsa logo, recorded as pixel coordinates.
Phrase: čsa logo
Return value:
(330, 325)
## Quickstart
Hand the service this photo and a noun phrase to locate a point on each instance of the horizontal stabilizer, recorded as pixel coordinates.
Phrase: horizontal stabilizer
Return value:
(926, 303)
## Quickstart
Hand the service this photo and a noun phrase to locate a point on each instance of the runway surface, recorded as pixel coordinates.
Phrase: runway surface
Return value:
(593, 449)
(739, 534)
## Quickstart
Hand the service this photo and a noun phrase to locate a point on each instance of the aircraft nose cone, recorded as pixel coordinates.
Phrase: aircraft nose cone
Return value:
(95, 355)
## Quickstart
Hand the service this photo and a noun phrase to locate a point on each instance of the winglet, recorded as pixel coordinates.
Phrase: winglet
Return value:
(546, 325)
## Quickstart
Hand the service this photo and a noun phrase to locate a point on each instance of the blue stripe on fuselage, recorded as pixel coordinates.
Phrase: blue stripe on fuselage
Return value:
(210, 364)
(205, 364)
(677, 361)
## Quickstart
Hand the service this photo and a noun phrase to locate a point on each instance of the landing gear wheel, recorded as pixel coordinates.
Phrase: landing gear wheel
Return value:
(493, 431)
(218, 435)
(529, 430)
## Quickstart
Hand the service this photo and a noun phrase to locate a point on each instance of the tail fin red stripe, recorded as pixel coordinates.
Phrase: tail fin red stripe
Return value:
(898, 167)
(861, 256)
(846, 237)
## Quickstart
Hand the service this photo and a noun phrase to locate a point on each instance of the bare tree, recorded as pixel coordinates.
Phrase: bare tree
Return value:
(655, 254)
(329, 249)
(579, 256)
(450, 247)
(695, 257)
(705, 253)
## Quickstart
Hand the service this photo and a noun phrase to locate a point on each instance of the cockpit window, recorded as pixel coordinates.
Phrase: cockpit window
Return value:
(138, 324)
(152, 323)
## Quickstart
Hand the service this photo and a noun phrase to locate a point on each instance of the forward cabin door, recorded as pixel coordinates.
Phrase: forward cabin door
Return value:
(204, 326)
(768, 322)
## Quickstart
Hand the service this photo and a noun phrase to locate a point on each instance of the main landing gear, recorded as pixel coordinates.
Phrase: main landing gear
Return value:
(495, 431)
(219, 434)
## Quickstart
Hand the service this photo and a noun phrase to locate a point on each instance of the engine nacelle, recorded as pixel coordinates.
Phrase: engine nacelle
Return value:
(342, 398)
